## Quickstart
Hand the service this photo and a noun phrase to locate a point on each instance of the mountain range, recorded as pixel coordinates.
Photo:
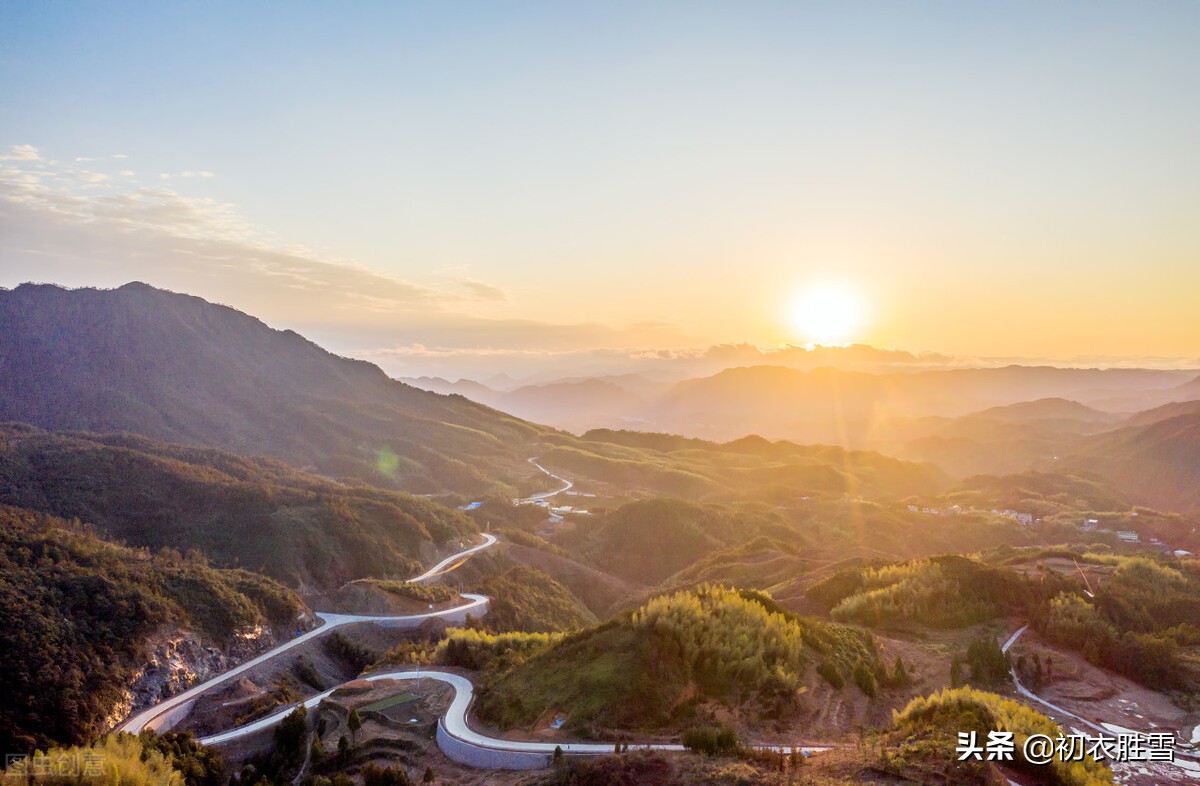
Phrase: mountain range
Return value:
(179, 369)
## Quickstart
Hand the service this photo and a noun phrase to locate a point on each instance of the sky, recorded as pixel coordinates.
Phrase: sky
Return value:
(470, 187)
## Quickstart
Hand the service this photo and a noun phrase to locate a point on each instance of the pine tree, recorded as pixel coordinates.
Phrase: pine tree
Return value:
(343, 750)
(899, 672)
(428, 776)
(315, 752)
(955, 672)
(354, 722)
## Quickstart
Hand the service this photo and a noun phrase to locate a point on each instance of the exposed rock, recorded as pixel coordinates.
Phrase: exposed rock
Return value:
(179, 659)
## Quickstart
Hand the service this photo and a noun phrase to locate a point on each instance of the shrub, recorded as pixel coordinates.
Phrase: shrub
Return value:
(710, 740)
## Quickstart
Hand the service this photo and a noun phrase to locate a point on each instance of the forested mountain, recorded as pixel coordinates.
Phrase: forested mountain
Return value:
(253, 513)
(76, 614)
(179, 369)
(1156, 464)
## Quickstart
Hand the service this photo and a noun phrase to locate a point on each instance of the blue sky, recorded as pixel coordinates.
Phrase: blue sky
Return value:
(558, 178)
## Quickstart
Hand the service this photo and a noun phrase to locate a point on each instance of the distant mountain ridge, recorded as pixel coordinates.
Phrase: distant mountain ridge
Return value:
(179, 369)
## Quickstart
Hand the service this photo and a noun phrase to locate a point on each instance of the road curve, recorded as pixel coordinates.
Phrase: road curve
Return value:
(455, 722)
(567, 485)
(442, 567)
(151, 717)
(1028, 694)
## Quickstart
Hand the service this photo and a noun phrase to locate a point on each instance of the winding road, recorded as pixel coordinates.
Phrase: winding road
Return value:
(568, 485)
(455, 722)
(170, 711)
(1028, 694)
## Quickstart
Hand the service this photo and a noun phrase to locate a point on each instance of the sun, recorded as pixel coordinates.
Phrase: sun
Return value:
(827, 314)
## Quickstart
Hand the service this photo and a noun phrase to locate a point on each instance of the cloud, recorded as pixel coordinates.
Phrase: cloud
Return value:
(87, 176)
(203, 174)
(80, 227)
(119, 155)
(21, 153)
(483, 290)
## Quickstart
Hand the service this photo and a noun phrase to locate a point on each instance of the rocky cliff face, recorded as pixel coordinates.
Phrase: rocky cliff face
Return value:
(178, 660)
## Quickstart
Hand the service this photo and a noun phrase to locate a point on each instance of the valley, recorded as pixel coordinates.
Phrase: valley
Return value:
(643, 594)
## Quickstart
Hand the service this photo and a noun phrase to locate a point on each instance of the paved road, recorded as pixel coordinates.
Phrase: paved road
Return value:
(154, 716)
(567, 485)
(445, 565)
(455, 722)
(1025, 692)
(1013, 638)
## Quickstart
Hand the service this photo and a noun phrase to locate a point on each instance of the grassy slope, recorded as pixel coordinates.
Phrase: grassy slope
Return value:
(252, 513)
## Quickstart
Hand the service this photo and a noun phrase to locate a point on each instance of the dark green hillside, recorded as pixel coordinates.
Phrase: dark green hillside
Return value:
(1139, 619)
(256, 514)
(647, 541)
(653, 667)
(942, 592)
(1142, 621)
(179, 369)
(526, 599)
(76, 612)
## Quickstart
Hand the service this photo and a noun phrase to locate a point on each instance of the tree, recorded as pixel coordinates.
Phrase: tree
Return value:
(374, 775)
(315, 752)
(899, 673)
(866, 679)
(955, 672)
(428, 776)
(558, 755)
(710, 740)
(289, 734)
(354, 722)
(343, 750)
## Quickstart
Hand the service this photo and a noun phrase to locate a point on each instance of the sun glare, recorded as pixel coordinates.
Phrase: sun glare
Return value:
(827, 314)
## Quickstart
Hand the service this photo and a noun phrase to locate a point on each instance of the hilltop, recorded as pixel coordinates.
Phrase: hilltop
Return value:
(673, 661)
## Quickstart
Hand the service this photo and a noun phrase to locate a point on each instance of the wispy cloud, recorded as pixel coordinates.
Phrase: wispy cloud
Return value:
(100, 226)
(202, 174)
(483, 290)
(21, 153)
